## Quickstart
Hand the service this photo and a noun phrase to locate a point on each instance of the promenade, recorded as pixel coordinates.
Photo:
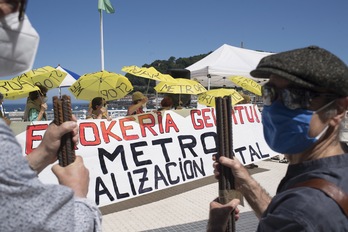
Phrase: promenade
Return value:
(186, 207)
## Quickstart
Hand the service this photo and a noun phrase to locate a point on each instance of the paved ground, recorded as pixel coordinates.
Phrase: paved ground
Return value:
(185, 207)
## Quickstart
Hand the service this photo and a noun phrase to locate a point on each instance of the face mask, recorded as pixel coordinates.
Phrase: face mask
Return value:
(44, 99)
(285, 130)
(19, 43)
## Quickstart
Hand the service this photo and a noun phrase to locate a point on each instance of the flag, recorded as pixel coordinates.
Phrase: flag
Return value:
(106, 5)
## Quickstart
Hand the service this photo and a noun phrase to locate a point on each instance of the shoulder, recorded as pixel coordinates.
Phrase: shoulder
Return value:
(303, 209)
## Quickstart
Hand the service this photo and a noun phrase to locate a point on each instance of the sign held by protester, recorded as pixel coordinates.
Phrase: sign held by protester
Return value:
(135, 155)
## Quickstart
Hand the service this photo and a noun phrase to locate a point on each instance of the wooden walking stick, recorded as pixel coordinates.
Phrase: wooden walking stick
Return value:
(62, 113)
(227, 192)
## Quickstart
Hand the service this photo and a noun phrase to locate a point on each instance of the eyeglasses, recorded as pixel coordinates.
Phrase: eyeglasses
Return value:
(292, 98)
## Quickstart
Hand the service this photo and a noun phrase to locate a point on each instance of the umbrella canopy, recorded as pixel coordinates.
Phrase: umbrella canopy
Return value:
(108, 85)
(46, 76)
(247, 84)
(149, 73)
(208, 98)
(12, 89)
(70, 77)
(180, 86)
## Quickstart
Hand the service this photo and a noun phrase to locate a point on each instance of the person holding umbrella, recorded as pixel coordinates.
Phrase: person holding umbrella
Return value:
(35, 109)
(139, 102)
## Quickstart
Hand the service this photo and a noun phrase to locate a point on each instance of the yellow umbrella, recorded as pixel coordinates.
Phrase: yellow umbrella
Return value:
(108, 85)
(180, 86)
(46, 76)
(208, 98)
(149, 73)
(12, 89)
(247, 84)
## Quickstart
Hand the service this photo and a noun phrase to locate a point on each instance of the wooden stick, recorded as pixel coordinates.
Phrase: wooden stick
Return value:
(62, 112)
(223, 109)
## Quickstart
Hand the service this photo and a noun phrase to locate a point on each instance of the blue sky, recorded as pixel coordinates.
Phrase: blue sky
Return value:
(141, 31)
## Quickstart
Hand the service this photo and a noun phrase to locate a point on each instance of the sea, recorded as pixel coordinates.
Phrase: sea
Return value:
(21, 107)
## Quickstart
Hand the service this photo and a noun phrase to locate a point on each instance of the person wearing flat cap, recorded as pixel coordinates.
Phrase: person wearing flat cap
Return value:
(138, 103)
(305, 118)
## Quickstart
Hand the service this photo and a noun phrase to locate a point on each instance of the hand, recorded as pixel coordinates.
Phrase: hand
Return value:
(75, 176)
(43, 107)
(240, 173)
(219, 214)
(144, 100)
(46, 152)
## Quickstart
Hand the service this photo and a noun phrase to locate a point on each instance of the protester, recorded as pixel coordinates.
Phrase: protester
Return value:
(2, 112)
(305, 102)
(98, 109)
(139, 102)
(26, 203)
(166, 103)
(35, 109)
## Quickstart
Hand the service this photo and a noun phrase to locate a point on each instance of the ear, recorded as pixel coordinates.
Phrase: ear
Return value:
(341, 109)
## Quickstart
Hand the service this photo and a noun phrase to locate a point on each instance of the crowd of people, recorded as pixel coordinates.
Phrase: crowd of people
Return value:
(305, 106)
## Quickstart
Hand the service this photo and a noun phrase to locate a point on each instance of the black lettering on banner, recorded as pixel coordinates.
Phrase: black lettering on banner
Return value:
(111, 156)
(117, 192)
(262, 155)
(162, 142)
(158, 176)
(188, 168)
(142, 180)
(104, 190)
(181, 170)
(253, 153)
(189, 146)
(136, 154)
(240, 151)
(131, 183)
(171, 181)
(206, 135)
(196, 167)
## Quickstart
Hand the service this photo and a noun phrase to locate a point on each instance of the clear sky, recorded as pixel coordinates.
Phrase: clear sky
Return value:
(142, 31)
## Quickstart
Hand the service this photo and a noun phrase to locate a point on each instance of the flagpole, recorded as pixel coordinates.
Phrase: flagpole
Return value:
(101, 40)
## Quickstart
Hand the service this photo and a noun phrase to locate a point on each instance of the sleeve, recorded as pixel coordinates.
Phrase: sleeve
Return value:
(29, 205)
(33, 115)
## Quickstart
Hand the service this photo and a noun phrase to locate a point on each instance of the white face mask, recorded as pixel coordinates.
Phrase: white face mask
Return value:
(19, 43)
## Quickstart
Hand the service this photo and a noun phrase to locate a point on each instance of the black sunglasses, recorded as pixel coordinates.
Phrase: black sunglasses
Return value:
(292, 98)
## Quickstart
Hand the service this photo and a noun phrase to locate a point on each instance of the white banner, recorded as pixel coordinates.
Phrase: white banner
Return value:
(140, 154)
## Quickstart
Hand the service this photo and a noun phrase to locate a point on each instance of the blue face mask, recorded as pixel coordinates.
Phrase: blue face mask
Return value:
(286, 130)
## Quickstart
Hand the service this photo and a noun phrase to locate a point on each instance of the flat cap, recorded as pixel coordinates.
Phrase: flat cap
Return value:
(311, 67)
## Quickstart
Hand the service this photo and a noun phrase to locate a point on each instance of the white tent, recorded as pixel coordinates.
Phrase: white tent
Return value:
(214, 69)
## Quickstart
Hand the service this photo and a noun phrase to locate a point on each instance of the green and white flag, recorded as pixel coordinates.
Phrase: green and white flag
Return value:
(106, 5)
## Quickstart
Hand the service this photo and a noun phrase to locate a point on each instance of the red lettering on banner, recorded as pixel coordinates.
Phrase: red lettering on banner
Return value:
(30, 137)
(197, 124)
(125, 128)
(106, 132)
(160, 124)
(238, 109)
(207, 120)
(149, 125)
(256, 110)
(170, 124)
(83, 139)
